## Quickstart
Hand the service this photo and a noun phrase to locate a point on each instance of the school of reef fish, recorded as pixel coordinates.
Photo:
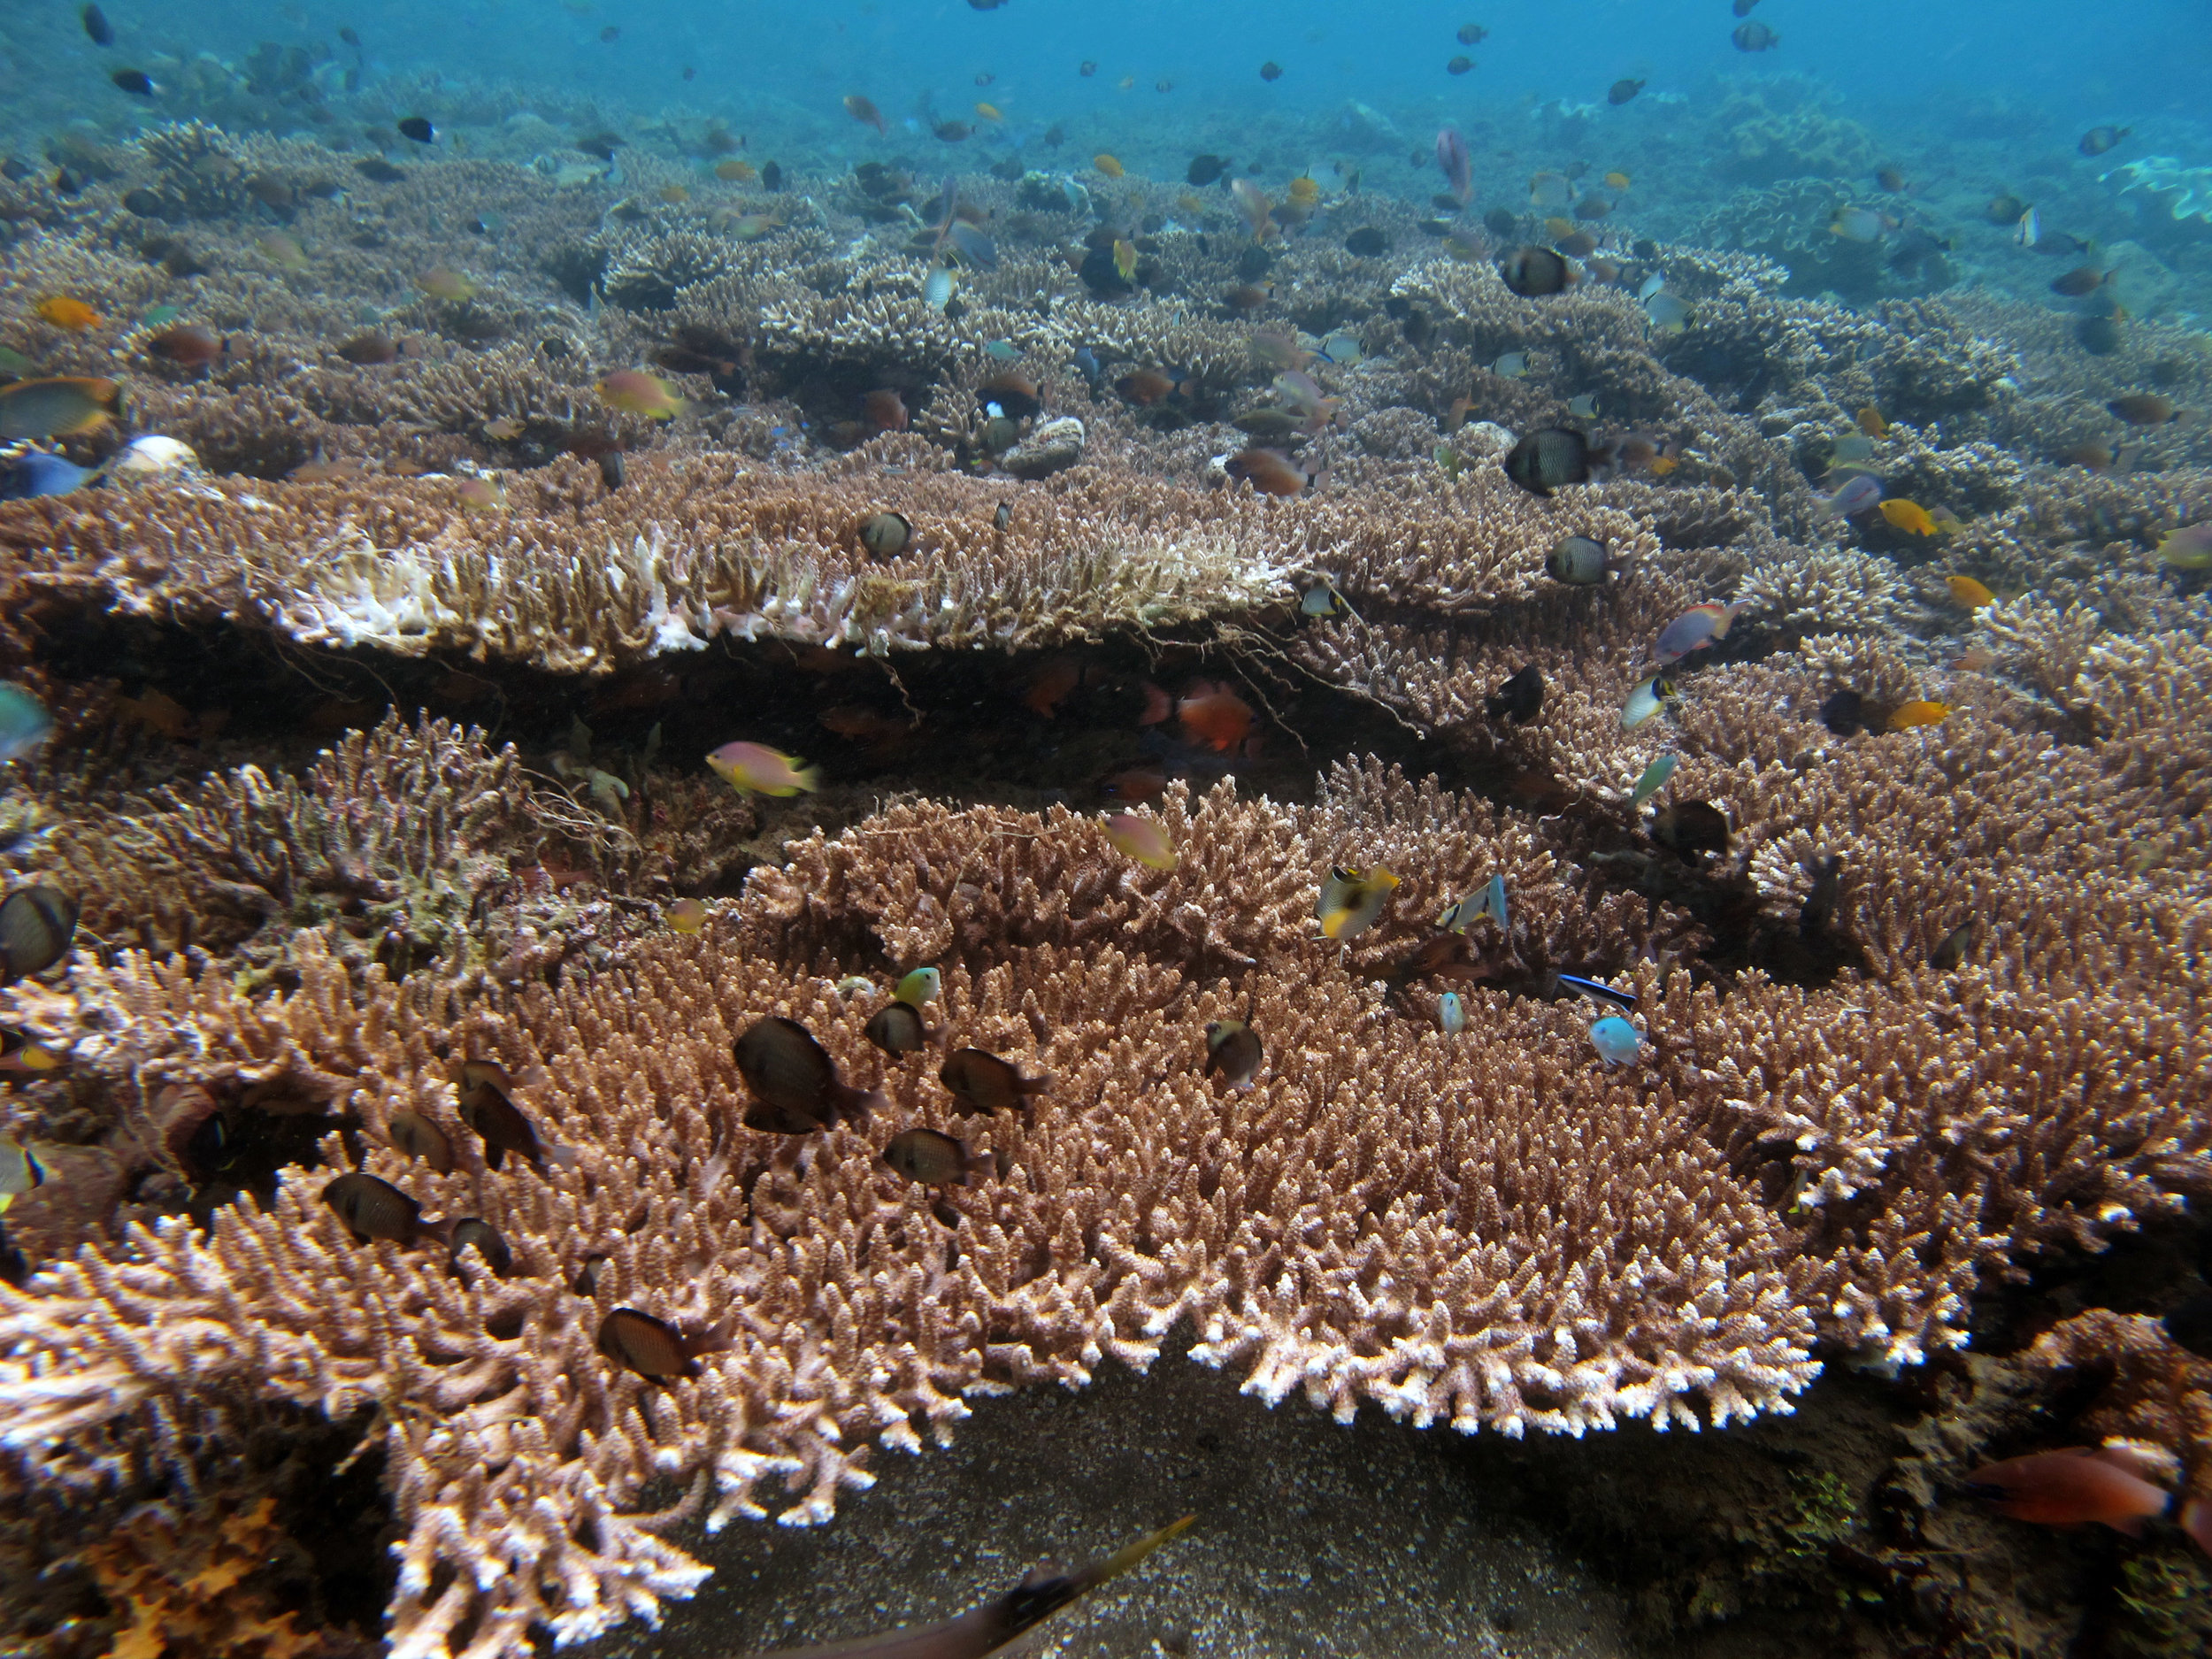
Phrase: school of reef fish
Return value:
(681, 786)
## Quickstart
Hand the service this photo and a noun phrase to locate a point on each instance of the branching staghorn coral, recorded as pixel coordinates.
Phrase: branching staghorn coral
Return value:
(1487, 1227)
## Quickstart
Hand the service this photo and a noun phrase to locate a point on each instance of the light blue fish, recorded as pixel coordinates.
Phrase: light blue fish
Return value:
(29, 472)
(24, 723)
(1004, 350)
(1616, 1040)
(1451, 1013)
(1654, 780)
(920, 988)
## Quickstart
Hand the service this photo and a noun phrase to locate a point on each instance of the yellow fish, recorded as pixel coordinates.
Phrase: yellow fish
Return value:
(636, 392)
(989, 111)
(736, 172)
(1106, 164)
(1125, 82)
(1351, 900)
(1911, 714)
(675, 195)
(285, 250)
(442, 282)
(1304, 192)
(1124, 259)
(1617, 181)
(1871, 422)
(1969, 593)
(1908, 516)
(756, 769)
(686, 916)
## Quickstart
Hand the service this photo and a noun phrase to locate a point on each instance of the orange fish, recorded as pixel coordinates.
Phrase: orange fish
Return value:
(1108, 165)
(1214, 715)
(861, 110)
(1871, 422)
(2070, 1486)
(65, 312)
(1158, 705)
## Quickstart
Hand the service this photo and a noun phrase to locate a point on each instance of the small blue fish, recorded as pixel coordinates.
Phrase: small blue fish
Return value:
(1088, 365)
(1004, 350)
(1616, 1040)
(24, 723)
(1598, 991)
(1451, 1013)
(29, 472)
(1654, 780)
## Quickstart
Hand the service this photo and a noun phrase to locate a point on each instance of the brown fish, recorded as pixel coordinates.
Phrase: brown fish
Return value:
(373, 1209)
(2081, 280)
(485, 1109)
(419, 1138)
(897, 1029)
(794, 1083)
(1232, 1048)
(2144, 408)
(1269, 471)
(1691, 827)
(931, 1159)
(1447, 956)
(655, 1349)
(369, 348)
(36, 924)
(982, 1082)
(186, 346)
(990, 1627)
(470, 1231)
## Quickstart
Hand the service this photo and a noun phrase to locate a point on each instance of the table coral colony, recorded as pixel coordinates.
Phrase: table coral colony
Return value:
(373, 780)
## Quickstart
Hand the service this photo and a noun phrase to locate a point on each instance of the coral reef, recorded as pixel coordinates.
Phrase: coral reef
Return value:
(949, 469)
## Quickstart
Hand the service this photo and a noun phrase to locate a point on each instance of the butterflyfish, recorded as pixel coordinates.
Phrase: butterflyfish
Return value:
(1351, 900)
